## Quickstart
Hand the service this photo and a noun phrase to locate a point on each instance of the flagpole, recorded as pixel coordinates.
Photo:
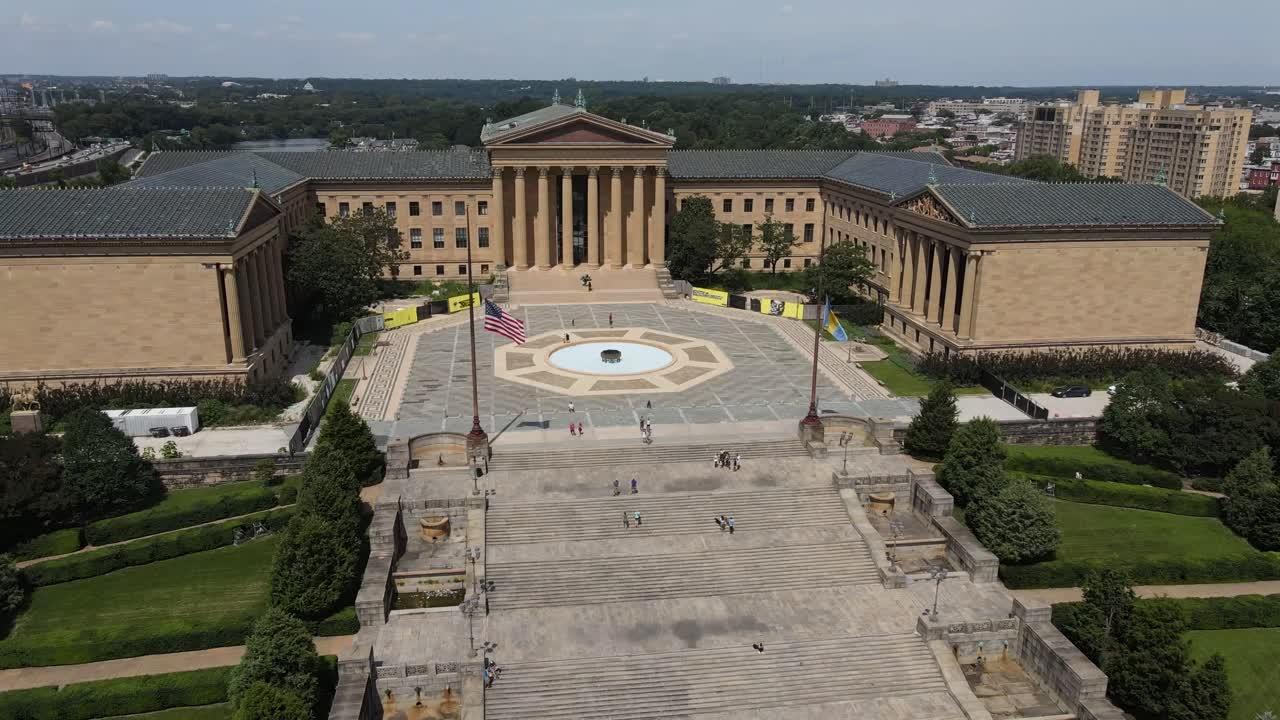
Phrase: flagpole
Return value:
(477, 437)
(811, 425)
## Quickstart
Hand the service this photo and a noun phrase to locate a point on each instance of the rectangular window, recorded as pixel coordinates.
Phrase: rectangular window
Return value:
(748, 205)
(437, 208)
(344, 210)
(366, 208)
(790, 228)
(484, 268)
(483, 240)
(790, 205)
(321, 209)
(482, 207)
(459, 208)
(462, 269)
(391, 209)
(437, 238)
(808, 232)
(746, 262)
(746, 229)
(807, 262)
(415, 237)
(808, 205)
(728, 205)
(768, 205)
(439, 269)
(417, 269)
(459, 237)
(414, 208)
(786, 263)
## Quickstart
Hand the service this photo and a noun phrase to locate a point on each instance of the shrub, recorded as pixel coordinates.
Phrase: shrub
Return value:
(974, 461)
(33, 497)
(1211, 613)
(331, 492)
(170, 451)
(348, 436)
(183, 508)
(58, 542)
(1025, 459)
(1252, 506)
(11, 591)
(267, 702)
(315, 566)
(1263, 379)
(343, 622)
(141, 552)
(101, 466)
(867, 313)
(280, 653)
(1245, 567)
(1017, 523)
(120, 696)
(1090, 367)
(1096, 492)
(264, 472)
(930, 431)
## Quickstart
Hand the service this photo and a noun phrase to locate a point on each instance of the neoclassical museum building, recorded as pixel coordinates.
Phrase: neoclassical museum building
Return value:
(179, 273)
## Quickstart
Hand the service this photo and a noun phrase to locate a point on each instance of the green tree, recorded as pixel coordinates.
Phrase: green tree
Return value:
(1132, 423)
(101, 467)
(339, 263)
(1252, 505)
(973, 465)
(1263, 379)
(261, 701)
(331, 491)
(315, 567)
(930, 431)
(843, 267)
(32, 497)
(1260, 154)
(1017, 523)
(11, 591)
(692, 238)
(279, 652)
(1108, 591)
(1204, 693)
(733, 242)
(347, 434)
(776, 241)
(111, 172)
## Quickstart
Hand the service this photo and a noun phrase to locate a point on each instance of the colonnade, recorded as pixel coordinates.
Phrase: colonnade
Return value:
(254, 293)
(937, 281)
(634, 231)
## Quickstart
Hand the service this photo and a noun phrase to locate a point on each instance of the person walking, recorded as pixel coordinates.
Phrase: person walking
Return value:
(730, 523)
(719, 524)
(566, 337)
(616, 490)
(715, 461)
(626, 520)
(610, 319)
(648, 404)
(737, 459)
(580, 432)
(634, 489)
(572, 429)
(571, 406)
(637, 518)
(723, 522)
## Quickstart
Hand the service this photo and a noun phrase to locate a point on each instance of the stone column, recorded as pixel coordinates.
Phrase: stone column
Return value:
(635, 228)
(255, 298)
(613, 251)
(541, 230)
(970, 260)
(265, 299)
(919, 262)
(246, 305)
(498, 221)
(902, 283)
(935, 285)
(947, 320)
(519, 223)
(234, 329)
(566, 219)
(658, 234)
(593, 216)
(277, 274)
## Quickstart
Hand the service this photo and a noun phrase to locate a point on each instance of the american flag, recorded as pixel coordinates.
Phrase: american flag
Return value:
(502, 322)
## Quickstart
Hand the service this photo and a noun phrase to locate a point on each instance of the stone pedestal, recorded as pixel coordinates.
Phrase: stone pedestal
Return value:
(26, 421)
(814, 433)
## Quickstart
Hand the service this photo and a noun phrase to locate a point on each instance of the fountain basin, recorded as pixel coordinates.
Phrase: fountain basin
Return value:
(615, 357)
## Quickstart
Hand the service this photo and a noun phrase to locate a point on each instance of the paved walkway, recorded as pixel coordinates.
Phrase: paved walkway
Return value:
(21, 678)
(1064, 595)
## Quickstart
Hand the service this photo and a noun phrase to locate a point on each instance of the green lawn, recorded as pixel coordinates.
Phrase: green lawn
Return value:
(1253, 666)
(1080, 453)
(343, 391)
(58, 542)
(365, 345)
(209, 598)
(1102, 532)
(219, 711)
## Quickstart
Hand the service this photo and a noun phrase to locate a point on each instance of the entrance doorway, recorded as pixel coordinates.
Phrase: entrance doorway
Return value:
(579, 185)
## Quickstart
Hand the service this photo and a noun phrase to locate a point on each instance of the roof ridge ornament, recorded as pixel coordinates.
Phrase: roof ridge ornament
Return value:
(933, 176)
(555, 99)
(1162, 177)
(580, 101)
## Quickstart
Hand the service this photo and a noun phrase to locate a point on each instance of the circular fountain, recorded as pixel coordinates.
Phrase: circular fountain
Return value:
(611, 358)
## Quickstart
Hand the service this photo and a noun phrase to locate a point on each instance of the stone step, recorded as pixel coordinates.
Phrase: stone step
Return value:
(680, 684)
(585, 581)
(635, 454)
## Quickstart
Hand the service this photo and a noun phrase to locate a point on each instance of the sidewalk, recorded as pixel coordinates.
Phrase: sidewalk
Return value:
(21, 678)
(1064, 595)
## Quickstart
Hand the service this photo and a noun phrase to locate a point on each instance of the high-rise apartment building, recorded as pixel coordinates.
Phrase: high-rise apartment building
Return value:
(1194, 149)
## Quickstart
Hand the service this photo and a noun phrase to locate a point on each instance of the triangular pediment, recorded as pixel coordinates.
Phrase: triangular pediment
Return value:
(561, 125)
(928, 205)
(580, 131)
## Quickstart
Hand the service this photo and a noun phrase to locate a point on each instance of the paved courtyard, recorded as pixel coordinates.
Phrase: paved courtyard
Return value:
(769, 381)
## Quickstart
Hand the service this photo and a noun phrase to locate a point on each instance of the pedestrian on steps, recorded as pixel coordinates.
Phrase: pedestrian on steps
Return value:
(572, 430)
(718, 523)
(730, 523)
(610, 319)
(626, 520)
(637, 518)
(723, 522)
(616, 490)
(571, 406)
(737, 459)
(634, 489)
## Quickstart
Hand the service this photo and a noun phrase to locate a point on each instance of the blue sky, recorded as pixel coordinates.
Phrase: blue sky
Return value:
(970, 42)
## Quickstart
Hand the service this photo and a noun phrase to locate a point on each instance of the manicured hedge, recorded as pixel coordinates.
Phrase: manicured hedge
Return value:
(1089, 367)
(56, 402)
(343, 622)
(120, 696)
(58, 542)
(1096, 492)
(1217, 613)
(1030, 459)
(141, 552)
(183, 508)
(1064, 573)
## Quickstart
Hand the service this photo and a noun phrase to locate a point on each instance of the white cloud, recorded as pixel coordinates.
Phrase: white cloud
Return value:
(162, 26)
(293, 19)
(261, 34)
(788, 8)
(102, 26)
(356, 37)
(223, 27)
(32, 23)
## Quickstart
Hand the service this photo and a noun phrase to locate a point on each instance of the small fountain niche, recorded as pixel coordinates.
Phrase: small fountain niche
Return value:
(434, 528)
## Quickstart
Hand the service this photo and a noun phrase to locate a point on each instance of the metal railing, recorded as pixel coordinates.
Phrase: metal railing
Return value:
(314, 413)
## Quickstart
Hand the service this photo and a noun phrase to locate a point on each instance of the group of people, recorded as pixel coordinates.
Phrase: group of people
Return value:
(646, 430)
(635, 489)
(491, 672)
(628, 518)
(723, 460)
(725, 522)
(575, 429)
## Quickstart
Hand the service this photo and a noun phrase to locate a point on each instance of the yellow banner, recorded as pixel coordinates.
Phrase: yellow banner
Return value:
(462, 302)
(397, 318)
(711, 297)
(782, 308)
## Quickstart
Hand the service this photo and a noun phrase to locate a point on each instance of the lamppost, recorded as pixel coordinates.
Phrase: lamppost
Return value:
(845, 437)
(470, 607)
(811, 425)
(937, 574)
(477, 437)
(895, 533)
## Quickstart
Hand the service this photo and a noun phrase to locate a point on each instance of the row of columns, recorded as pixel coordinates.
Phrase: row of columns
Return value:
(921, 284)
(253, 289)
(609, 244)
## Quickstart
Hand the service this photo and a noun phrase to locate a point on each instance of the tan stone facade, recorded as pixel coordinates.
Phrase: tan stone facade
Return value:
(794, 203)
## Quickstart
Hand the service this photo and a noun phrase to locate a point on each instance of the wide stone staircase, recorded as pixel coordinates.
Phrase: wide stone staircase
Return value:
(561, 286)
(515, 458)
(666, 514)
(720, 680)
(597, 580)
(666, 285)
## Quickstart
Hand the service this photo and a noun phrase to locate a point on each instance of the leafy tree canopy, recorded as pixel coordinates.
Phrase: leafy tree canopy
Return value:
(844, 266)
(101, 466)
(279, 652)
(315, 567)
(974, 462)
(775, 240)
(338, 263)
(267, 702)
(1017, 523)
(11, 591)
(346, 435)
(930, 431)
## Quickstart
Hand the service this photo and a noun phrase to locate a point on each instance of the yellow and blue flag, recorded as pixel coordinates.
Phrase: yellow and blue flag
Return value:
(831, 323)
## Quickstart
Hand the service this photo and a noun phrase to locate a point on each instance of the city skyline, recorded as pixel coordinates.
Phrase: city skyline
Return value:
(792, 41)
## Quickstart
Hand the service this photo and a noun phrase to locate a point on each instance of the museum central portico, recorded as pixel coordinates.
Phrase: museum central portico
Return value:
(572, 188)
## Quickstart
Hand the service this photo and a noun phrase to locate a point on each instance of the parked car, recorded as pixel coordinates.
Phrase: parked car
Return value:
(1070, 391)
(159, 432)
